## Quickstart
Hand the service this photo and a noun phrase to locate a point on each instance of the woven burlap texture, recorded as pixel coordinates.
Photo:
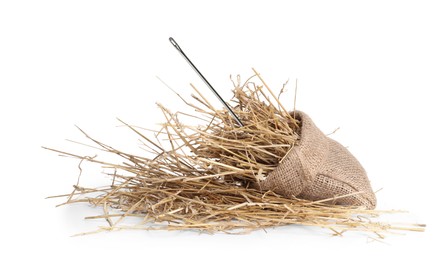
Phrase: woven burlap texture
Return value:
(319, 168)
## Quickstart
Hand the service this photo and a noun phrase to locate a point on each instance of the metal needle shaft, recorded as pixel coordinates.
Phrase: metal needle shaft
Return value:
(206, 82)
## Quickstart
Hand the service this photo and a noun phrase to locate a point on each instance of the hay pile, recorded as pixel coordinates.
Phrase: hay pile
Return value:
(206, 177)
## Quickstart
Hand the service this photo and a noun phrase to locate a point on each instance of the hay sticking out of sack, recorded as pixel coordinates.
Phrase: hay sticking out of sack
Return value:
(204, 177)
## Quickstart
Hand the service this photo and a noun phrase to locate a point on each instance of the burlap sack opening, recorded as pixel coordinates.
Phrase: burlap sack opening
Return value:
(320, 168)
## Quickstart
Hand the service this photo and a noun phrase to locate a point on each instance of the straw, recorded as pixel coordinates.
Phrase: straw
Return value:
(204, 177)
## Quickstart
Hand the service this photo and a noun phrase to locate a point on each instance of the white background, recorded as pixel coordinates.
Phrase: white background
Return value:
(377, 69)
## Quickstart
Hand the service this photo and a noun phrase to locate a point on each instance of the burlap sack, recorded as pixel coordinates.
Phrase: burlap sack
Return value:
(320, 168)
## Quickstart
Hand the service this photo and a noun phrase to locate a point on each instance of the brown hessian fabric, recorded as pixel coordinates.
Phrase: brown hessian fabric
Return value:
(319, 168)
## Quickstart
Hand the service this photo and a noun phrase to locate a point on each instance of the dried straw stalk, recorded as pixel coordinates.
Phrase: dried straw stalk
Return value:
(205, 179)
